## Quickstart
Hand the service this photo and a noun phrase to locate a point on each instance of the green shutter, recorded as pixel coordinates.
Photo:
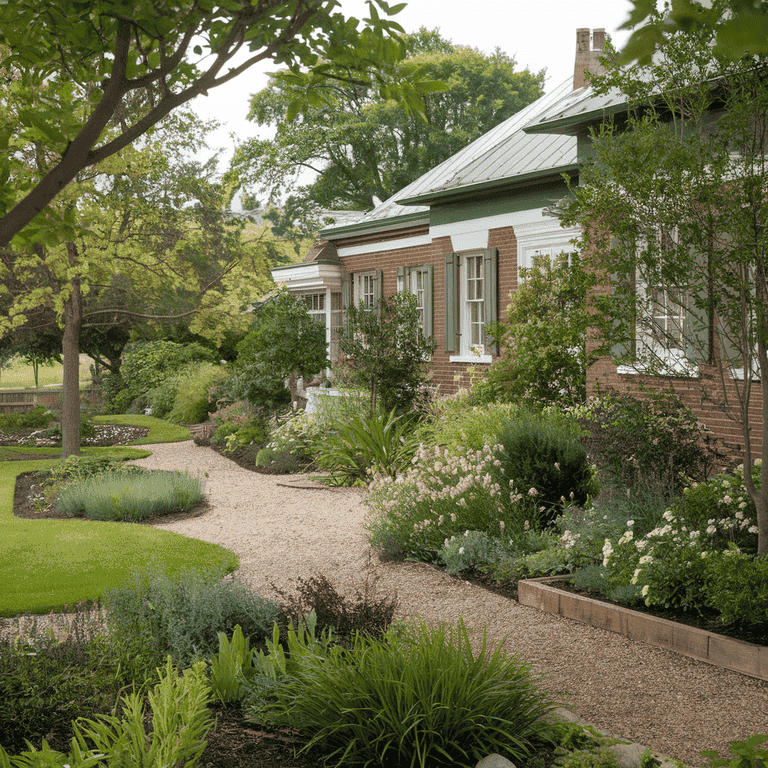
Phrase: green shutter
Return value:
(379, 294)
(491, 291)
(429, 271)
(452, 295)
(346, 300)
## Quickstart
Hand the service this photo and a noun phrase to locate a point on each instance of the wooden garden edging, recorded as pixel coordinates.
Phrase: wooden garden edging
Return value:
(725, 652)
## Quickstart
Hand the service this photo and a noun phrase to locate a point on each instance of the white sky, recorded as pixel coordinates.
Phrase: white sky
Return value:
(538, 35)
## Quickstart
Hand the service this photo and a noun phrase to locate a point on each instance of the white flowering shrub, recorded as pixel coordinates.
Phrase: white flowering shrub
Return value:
(724, 496)
(297, 434)
(670, 565)
(444, 493)
(582, 533)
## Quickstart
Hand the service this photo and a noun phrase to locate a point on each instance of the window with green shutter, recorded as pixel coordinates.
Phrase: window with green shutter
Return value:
(471, 303)
(418, 281)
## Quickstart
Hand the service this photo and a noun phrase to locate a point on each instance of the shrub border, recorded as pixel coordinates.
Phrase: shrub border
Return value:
(718, 650)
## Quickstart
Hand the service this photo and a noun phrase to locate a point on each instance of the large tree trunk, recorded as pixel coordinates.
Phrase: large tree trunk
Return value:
(70, 409)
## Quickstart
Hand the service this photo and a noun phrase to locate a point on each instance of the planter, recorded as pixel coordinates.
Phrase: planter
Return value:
(725, 652)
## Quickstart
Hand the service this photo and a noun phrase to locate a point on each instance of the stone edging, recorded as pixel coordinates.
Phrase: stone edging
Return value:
(721, 651)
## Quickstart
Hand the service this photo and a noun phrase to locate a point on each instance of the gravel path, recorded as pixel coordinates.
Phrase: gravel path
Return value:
(282, 528)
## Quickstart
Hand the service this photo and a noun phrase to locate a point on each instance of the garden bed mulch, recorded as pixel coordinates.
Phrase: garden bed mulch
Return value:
(106, 436)
(239, 743)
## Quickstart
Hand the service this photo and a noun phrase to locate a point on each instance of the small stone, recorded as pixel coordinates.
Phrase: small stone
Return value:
(495, 761)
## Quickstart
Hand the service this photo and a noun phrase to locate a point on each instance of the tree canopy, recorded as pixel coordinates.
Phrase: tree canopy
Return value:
(739, 26)
(149, 244)
(84, 79)
(360, 145)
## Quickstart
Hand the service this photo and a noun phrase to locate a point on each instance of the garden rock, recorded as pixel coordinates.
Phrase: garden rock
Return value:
(495, 761)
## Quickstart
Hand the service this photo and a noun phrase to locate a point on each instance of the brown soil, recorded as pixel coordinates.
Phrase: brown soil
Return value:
(238, 743)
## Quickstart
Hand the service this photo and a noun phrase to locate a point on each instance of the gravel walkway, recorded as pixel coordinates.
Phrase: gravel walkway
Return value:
(281, 528)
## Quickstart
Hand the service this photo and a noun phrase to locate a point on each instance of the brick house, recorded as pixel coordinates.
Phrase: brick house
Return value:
(458, 236)
(705, 388)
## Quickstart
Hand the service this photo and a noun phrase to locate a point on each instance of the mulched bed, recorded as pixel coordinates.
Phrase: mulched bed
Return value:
(106, 435)
(239, 743)
(707, 621)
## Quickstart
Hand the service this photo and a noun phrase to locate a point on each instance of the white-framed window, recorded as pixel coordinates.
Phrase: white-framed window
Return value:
(542, 237)
(471, 286)
(315, 305)
(367, 289)
(418, 282)
(661, 325)
(336, 323)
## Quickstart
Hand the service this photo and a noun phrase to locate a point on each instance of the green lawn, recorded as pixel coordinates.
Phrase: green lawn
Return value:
(47, 564)
(20, 375)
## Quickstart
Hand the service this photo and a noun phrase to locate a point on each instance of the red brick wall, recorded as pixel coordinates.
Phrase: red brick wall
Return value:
(703, 395)
(444, 372)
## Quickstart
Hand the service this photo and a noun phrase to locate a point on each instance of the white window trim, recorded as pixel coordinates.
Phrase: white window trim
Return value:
(541, 236)
(359, 278)
(660, 359)
(475, 354)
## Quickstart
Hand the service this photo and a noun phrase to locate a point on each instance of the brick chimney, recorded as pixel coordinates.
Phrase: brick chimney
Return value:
(586, 57)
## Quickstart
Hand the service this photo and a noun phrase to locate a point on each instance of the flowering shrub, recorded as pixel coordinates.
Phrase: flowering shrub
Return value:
(724, 496)
(297, 434)
(670, 564)
(443, 494)
(542, 451)
(583, 532)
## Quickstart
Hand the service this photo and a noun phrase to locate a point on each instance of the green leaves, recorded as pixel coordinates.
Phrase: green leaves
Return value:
(416, 697)
(740, 27)
(362, 447)
(371, 133)
(231, 667)
(747, 754)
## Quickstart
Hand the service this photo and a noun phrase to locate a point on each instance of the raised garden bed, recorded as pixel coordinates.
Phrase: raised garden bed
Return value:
(725, 652)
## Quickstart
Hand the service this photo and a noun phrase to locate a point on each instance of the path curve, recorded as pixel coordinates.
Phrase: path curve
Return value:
(281, 529)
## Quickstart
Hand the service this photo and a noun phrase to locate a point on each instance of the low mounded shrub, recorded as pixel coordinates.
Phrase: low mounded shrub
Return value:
(37, 418)
(737, 587)
(130, 498)
(160, 399)
(182, 614)
(541, 451)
